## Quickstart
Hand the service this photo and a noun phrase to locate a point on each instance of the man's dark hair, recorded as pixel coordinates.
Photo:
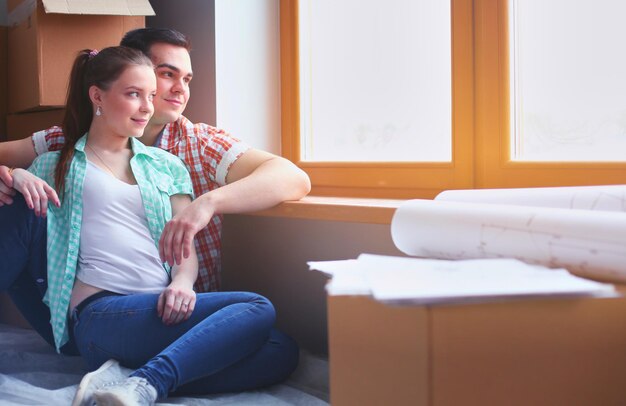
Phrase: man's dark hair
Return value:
(143, 39)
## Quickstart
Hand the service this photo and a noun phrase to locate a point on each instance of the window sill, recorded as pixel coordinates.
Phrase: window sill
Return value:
(355, 210)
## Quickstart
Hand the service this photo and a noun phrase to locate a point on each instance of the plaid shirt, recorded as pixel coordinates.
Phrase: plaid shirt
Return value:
(159, 175)
(208, 153)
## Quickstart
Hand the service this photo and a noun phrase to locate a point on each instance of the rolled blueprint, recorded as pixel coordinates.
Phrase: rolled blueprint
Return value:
(609, 198)
(585, 242)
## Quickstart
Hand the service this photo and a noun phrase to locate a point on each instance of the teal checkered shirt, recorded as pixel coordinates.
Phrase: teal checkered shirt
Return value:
(159, 175)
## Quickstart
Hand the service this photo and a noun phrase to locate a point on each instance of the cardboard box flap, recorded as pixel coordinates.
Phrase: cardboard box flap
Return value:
(18, 11)
(108, 7)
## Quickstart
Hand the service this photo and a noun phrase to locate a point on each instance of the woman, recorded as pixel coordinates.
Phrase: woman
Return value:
(107, 288)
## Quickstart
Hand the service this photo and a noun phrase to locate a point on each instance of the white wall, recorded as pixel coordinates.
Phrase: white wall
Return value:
(248, 71)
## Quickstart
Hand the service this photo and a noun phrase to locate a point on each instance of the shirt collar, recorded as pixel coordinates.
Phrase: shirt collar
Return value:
(171, 134)
(140, 149)
(80, 144)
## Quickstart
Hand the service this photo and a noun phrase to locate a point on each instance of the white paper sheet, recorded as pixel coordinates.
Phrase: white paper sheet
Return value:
(426, 281)
(585, 242)
(430, 281)
(347, 278)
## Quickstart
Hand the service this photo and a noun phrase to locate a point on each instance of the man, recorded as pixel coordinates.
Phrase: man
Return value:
(228, 176)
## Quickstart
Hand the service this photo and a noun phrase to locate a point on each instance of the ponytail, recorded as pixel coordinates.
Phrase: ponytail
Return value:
(77, 118)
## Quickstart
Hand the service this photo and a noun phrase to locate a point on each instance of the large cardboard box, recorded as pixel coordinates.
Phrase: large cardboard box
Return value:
(44, 41)
(23, 125)
(527, 352)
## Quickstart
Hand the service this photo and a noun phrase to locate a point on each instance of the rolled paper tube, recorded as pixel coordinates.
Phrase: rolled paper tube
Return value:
(586, 243)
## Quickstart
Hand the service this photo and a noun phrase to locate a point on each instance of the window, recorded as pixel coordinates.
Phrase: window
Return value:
(569, 98)
(503, 92)
(366, 91)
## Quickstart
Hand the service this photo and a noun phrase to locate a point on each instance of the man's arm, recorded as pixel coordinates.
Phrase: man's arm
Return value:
(17, 154)
(257, 180)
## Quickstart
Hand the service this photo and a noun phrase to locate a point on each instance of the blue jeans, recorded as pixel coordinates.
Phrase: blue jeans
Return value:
(227, 345)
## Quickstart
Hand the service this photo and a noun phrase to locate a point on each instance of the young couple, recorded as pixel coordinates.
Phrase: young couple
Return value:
(120, 268)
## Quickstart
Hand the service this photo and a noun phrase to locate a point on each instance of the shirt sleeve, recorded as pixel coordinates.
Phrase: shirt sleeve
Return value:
(220, 151)
(51, 139)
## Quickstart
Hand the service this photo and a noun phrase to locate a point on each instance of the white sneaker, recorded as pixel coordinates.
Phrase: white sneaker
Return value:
(110, 371)
(133, 391)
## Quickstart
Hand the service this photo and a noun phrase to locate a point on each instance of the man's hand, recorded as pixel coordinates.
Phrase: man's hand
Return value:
(177, 238)
(6, 186)
(176, 303)
(36, 192)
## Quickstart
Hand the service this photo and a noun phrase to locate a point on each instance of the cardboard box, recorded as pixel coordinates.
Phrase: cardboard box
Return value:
(43, 43)
(527, 352)
(23, 125)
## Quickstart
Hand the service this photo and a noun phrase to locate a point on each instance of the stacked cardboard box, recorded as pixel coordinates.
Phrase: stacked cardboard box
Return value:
(23, 125)
(42, 41)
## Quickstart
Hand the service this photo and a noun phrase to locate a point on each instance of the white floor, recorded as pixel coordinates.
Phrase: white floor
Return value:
(31, 373)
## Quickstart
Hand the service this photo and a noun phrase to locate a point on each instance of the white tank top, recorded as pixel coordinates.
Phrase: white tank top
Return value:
(117, 252)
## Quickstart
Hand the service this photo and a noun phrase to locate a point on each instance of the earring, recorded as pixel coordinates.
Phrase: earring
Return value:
(98, 111)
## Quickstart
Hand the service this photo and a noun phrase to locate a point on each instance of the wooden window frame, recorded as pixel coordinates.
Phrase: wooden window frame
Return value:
(480, 122)
(494, 167)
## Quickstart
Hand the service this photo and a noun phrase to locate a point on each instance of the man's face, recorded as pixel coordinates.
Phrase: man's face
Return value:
(173, 72)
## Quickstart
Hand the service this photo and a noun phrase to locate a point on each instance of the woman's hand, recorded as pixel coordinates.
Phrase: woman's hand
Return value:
(176, 303)
(36, 192)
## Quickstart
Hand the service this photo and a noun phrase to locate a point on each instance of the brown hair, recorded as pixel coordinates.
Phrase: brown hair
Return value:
(91, 68)
(143, 39)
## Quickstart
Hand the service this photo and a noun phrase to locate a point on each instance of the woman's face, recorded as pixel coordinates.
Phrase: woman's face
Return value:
(127, 106)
